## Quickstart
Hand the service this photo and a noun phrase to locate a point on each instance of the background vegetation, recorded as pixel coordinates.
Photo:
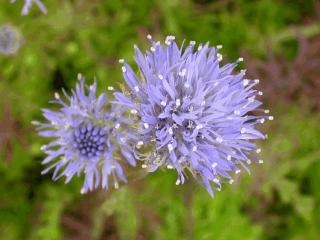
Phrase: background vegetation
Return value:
(280, 42)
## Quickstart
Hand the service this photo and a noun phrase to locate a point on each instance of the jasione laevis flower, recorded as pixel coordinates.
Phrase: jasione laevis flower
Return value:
(10, 39)
(194, 114)
(84, 132)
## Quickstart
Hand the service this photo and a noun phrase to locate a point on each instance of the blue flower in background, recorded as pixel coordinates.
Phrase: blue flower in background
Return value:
(194, 114)
(27, 5)
(83, 130)
(10, 40)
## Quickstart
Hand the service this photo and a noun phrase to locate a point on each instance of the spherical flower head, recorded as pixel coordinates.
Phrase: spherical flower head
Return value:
(194, 113)
(10, 40)
(83, 133)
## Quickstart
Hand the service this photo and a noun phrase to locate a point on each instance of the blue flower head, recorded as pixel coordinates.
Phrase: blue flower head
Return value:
(84, 131)
(194, 113)
(10, 40)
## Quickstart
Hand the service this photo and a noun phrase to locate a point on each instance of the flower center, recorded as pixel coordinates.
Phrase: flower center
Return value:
(90, 141)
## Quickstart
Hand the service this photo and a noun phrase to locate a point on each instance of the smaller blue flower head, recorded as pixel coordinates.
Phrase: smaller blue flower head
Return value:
(10, 40)
(193, 114)
(83, 135)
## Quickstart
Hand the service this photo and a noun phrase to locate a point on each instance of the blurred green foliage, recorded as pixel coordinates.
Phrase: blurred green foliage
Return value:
(280, 200)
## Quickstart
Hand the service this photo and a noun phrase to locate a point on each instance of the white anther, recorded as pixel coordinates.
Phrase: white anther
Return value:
(163, 103)
(116, 185)
(240, 59)
(117, 125)
(160, 76)
(214, 165)
(245, 82)
(144, 166)
(146, 125)
(183, 72)
(149, 37)
(178, 182)
(236, 112)
(261, 120)
(192, 42)
(194, 148)
(79, 76)
(258, 150)
(219, 46)
(251, 99)
(64, 160)
(256, 80)
(216, 180)
(203, 103)
(56, 95)
(136, 88)
(260, 161)
(231, 181)
(134, 111)
(190, 124)
(169, 166)
(43, 147)
(158, 43)
(270, 118)
(123, 68)
(219, 189)
(152, 49)
(140, 143)
(170, 148)
(110, 88)
(266, 111)
(200, 126)
(199, 48)
(229, 157)
(238, 171)
(35, 123)
(178, 102)
(243, 130)
(260, 93)
(121, 60)
(170, 131)
(219, 139)
(219, 56)
(82, 191)
(186, 85)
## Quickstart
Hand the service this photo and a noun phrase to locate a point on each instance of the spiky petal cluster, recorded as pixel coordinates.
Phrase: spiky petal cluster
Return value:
(83, 138)
(27, 5)
(194, 114)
